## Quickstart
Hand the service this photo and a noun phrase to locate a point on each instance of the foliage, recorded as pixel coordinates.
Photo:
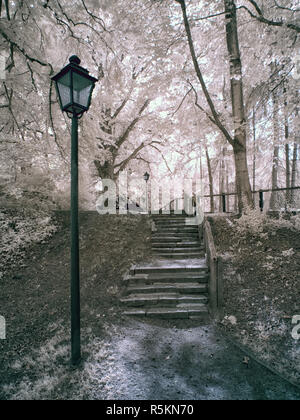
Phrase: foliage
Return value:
(20, 229)
(138, 50)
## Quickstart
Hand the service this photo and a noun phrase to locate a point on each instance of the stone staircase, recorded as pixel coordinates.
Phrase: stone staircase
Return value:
(175, 283)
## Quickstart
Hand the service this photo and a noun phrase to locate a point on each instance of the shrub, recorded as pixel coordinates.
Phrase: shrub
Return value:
(255, 222)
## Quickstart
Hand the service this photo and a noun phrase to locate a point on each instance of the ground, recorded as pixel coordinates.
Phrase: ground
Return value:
(262, 287)
(123, 358)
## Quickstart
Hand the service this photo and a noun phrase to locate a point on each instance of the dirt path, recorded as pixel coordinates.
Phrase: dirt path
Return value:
(171, 363)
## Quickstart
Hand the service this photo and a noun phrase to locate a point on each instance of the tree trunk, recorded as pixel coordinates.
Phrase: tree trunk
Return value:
(294, 172)
(105, 171)
(295, 155)
(275, 163)
(7, 10)
(236, 199)
(287, 150)
(201, 168)
(227, 188)
(254, 151)
(211, 183)
(242, 179)
(287, 173)
(238, 110)
(222, 180)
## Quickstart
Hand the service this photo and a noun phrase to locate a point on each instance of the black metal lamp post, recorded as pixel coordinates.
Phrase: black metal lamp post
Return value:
(74, 87)
(146, 178)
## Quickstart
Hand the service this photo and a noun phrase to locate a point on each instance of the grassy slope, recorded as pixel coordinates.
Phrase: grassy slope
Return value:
(262, 290)
(34, 295)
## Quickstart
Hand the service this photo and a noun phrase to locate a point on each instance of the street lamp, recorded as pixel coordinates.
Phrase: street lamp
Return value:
(74, 88)
(146, 178)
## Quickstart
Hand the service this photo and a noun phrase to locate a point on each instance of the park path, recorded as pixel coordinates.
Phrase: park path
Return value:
(176, 362)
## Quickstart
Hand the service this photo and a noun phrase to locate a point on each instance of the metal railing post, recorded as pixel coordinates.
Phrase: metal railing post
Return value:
(261, 200)
(224, 203)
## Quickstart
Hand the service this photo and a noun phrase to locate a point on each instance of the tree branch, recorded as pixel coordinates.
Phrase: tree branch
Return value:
(125, 162)
(9, 97)
(216, 119)
(199, 106)
(118, 110)
(163, 157)
(261, 18)
(94, 17)
(24, 53)
(286, 8)
(181, 103)
(60, 149)
(209, 16)
(131, 126)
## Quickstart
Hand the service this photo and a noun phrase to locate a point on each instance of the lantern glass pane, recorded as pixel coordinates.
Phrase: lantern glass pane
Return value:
(64, 89)
(82, 88)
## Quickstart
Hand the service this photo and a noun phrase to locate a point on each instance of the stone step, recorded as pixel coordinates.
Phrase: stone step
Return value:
(170, 240)
(176, 224)
(183, 288)
(174, 238)
(169, 215)
(162, 299)
(175, 235)
(182, 256)
(172, 222)
(188, 233)
(175, 244)
(174, 284)
(175, 228)
(165, 266)
(183, 312)
(167, 278)
(185, 228)
(176, 250)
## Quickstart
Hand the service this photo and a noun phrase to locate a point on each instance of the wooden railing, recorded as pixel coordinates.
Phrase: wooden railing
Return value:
(215, 265)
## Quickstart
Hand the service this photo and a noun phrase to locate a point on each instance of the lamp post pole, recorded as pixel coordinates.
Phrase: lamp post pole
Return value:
(147, 203)
(146, 178)
(74, 87)
(75, 277)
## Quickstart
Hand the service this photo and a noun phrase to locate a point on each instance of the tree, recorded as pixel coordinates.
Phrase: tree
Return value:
(238, 140)
(109, 168)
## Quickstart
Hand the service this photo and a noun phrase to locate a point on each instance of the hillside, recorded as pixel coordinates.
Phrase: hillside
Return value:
(262, 286)
(35, 279)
